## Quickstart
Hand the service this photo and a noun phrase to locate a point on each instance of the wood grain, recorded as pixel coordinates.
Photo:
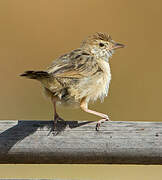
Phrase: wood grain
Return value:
(78, 142)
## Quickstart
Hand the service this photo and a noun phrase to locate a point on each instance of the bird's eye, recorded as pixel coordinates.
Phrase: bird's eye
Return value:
(101, 44)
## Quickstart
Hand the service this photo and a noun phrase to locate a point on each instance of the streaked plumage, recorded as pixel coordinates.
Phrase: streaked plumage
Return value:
(80, 75)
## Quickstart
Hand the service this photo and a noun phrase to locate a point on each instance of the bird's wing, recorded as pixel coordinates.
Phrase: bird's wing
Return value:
(77, 64)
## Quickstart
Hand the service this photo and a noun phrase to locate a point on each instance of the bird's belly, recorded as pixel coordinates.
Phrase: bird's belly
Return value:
(92, 88)
(99, 90)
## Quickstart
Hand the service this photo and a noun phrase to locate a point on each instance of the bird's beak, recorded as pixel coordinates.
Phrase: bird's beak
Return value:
(118, 45)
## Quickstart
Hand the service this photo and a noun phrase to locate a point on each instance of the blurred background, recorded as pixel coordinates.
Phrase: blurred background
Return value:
(34, 33)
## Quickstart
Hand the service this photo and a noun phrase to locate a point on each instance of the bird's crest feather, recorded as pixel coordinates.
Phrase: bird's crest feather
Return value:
(100, 36)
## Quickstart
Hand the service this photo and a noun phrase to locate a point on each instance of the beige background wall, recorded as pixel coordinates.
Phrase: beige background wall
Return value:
(33, 33)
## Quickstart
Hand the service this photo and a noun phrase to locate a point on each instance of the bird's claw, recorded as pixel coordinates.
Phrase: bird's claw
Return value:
(97, 126)
(99, 123)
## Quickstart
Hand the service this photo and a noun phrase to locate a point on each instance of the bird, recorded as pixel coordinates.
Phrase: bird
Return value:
(80, 76)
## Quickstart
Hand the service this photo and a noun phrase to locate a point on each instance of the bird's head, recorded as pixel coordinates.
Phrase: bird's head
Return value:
(101, 45)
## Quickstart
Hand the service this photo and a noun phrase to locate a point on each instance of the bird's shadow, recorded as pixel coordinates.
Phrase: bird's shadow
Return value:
(26, 128)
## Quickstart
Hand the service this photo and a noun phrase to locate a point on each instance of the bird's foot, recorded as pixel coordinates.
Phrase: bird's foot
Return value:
(59, 125)
(100, 122)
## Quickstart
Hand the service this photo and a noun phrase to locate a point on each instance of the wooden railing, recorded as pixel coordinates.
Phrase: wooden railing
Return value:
(78, 142)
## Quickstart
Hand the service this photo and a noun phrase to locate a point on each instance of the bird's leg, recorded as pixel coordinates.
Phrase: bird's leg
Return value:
(84, 107)
(55, 113)
(56, 116)
(57, 127)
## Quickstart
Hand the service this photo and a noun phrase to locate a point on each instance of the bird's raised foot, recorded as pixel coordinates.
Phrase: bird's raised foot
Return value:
(100, 122)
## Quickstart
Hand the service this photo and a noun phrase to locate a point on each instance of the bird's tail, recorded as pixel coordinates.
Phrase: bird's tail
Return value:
(36, 74)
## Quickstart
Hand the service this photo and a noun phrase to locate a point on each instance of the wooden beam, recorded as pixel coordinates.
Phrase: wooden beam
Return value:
(78, 142)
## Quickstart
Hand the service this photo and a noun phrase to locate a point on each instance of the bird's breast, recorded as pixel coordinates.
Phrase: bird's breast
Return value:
(102, 84)
(95, 86)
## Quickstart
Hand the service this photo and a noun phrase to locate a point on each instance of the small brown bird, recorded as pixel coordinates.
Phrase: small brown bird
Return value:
(80, 76)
